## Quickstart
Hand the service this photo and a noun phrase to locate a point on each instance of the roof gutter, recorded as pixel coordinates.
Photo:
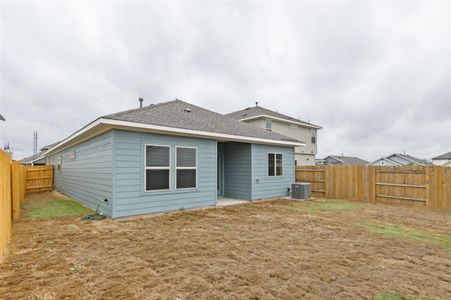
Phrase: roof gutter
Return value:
(170, 130)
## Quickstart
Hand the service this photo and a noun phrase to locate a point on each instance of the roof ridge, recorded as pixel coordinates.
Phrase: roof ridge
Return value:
(140, 108)
(197, 117)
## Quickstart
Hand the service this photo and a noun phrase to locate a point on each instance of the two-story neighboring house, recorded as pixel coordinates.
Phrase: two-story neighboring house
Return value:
(286, 125)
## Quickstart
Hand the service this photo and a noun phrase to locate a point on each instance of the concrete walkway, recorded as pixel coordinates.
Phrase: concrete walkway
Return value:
(222, 201)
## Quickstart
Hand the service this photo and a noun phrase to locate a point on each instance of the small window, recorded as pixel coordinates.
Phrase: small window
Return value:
(268, 124)
(313, 134)
(186, 168)
(60, 164)
(157, 168)
(275, 164)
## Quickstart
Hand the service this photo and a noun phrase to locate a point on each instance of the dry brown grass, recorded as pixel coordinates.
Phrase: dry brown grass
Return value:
(269, 250)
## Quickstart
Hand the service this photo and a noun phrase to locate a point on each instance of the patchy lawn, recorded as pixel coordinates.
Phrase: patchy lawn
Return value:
(267, 250)
(51, 205)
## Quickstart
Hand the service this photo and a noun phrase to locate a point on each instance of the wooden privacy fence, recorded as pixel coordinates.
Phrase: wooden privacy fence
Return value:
(39, 179)
(15, 181)
(12, 192)
(421, 185)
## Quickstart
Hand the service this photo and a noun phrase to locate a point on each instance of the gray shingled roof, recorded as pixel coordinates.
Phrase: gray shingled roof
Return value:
(32, 158)
(408, 157)
(174, 114)
(350, 160)
(444, 156)
(258, 111)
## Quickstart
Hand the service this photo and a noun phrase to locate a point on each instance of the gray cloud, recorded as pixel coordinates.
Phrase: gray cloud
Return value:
(375, 75)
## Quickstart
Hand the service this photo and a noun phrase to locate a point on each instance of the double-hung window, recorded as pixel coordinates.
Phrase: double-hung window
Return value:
(157, 168)
(186, 168)
(275, 164)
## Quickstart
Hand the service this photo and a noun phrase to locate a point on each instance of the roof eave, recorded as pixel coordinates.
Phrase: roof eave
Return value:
(119, 124)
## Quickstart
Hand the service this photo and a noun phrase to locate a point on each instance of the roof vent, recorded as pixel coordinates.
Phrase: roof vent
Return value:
(243, 115)
(247, 108)
(141, 102)
(187, 109)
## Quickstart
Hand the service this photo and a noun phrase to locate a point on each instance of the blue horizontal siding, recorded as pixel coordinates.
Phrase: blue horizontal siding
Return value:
(237, 170)
(87, 178)
(264, 186)
(130, 195)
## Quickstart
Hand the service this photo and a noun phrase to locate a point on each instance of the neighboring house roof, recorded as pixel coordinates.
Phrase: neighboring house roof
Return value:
(348, 160)
(387, 160)
(32, 159)
(39, 157)
(411, 158)
(49, 146)
(181, 118)
(258, 111)
(443, 156)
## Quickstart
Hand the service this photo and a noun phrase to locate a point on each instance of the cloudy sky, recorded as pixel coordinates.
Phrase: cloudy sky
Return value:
(375, 75)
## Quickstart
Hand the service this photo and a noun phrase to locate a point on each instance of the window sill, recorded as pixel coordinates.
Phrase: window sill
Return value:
(171, 191)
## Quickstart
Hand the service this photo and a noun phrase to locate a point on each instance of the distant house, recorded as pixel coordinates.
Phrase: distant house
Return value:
(37, 159)
(342, 160)
(286, 125)
(442, 160)
(168, 156)
(397, 159)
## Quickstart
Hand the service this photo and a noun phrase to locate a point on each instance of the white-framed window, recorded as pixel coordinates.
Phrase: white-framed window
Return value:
(275, 164)
(268, 124)
(186, 167)
(157, 173)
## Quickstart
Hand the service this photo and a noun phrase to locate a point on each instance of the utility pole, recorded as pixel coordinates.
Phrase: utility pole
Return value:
(35, 143)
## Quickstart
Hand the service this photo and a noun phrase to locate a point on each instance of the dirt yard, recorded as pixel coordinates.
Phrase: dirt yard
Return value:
(268, 250)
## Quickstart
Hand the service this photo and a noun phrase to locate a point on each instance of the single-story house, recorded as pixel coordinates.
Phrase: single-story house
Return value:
(341, 160)
(39, 158)
(170, 156)
(442, 160)
(397, 159)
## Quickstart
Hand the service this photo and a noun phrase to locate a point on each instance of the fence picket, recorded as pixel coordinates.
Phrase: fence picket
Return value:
(418, 185)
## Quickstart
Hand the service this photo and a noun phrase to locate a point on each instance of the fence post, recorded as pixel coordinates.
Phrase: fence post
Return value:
(429, 194)
(326, 182)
